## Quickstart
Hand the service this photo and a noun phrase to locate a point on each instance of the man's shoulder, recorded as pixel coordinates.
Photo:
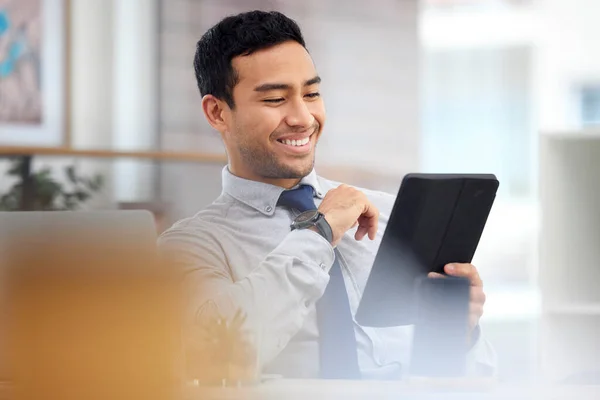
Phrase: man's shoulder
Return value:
(203, 223)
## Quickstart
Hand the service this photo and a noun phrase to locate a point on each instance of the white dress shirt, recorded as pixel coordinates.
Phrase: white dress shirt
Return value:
(239, 253)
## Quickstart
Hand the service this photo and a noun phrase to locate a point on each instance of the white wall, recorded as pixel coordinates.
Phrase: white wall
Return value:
(135, 90)
(91, 42)
(91, 97)
(569, 56)
(113, 93)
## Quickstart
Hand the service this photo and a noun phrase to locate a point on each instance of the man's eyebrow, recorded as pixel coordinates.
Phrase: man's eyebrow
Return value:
(265, 87)
(313, 81)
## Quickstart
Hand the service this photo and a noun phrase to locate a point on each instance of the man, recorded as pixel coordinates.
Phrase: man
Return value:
(299, 287)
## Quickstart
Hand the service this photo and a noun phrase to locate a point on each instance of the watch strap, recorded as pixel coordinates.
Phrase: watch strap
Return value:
(324, 228)
(318, 220)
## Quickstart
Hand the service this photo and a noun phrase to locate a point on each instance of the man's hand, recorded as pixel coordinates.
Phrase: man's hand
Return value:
(345, 207)
(477, 297)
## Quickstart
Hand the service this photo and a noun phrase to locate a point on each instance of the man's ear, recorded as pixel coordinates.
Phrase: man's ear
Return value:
(214, 111)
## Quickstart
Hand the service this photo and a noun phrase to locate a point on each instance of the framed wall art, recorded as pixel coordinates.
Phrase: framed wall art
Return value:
(33, 72)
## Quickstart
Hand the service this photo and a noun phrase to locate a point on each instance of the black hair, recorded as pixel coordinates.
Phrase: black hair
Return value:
(236, 35)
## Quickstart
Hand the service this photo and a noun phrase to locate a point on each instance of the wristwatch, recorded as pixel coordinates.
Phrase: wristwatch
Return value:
(314, 218)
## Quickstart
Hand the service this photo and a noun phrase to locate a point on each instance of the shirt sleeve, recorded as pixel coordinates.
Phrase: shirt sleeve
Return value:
(481, 358)
(275, 297)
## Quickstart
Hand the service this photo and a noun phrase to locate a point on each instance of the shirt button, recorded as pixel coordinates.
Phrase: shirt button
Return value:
(268, 208)
(307, 304)
(322, 265)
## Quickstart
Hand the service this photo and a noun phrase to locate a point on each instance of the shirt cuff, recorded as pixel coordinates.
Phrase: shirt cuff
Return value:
(481, 358)
(475, 335)
(312, 256)
(309, 247)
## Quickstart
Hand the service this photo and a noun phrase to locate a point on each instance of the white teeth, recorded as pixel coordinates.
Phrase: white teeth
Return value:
(296, 142)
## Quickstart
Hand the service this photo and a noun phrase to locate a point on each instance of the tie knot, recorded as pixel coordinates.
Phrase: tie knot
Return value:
(300, 198)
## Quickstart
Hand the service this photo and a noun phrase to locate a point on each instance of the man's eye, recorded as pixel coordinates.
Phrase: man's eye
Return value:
(313, 95)
(279, 100)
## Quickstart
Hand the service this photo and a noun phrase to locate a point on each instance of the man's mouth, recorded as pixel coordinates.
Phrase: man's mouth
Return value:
(295, 142)
(298, 145)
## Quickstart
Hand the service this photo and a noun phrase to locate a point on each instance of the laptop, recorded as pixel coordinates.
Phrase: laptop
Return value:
(86, 308)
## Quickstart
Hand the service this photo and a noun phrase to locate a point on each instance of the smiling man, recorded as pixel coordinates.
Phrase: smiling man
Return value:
(289, 248)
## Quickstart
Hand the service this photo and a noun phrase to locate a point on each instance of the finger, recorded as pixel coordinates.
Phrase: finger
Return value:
(477, 295)
(369, 210)
(464, 270)
(361, 232)
(435, 275)
(370, 225)
(373, 231)
(370, 216)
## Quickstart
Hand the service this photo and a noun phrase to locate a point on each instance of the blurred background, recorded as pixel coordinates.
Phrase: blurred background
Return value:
(99, 109)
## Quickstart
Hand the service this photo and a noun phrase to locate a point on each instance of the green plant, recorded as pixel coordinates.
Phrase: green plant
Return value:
(41, 192)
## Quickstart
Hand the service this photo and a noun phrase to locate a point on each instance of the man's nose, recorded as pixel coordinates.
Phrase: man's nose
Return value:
(299, 115)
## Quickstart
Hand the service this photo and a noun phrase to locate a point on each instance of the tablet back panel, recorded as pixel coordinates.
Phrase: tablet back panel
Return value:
(436, 219)
(440, 340)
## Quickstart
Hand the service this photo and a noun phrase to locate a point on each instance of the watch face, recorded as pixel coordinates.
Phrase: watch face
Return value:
(307, 216)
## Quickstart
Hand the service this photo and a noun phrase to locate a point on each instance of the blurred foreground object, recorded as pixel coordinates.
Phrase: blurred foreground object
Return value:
(90, 312)
(221, 351)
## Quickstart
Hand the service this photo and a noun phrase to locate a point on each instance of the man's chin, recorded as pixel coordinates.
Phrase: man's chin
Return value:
(298, 172)
(291, 171)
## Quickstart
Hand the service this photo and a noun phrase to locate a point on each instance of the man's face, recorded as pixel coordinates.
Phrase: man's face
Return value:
(278, 117)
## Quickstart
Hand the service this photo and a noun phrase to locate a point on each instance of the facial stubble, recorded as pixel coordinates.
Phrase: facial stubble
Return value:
(266, 164)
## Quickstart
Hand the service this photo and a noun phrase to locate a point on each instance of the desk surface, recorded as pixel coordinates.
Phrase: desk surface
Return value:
(284, 389)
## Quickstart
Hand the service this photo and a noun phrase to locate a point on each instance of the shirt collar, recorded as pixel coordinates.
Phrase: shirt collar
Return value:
(262, 196)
